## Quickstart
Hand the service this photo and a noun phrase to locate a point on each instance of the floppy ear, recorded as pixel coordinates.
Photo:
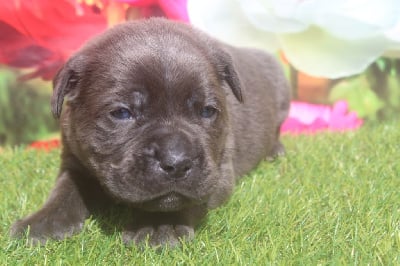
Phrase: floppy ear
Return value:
(64, 83)
(229, 74)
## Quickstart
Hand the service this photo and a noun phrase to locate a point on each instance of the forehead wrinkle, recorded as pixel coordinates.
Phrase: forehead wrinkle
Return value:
(165, 71)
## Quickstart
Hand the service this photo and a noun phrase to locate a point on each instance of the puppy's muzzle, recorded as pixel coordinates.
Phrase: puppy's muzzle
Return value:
(172, 155)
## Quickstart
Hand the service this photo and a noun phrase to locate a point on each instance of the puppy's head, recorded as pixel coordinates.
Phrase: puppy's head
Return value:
(146, 113)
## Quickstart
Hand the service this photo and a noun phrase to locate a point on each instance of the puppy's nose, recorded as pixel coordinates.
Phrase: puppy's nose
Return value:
(175, 165)
(174, 154)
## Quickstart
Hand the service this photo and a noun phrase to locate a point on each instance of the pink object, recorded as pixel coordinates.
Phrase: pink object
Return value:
(172, 9)
(311, 118)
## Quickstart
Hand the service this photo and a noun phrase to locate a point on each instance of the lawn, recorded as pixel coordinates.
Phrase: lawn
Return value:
(333, 199)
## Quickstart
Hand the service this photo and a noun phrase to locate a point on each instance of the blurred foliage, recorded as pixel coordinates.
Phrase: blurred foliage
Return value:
(375, 94)
(361, 99)
(384, 78)
(25, 113)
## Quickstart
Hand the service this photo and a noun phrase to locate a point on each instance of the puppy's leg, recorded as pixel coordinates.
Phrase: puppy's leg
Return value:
(62, 215)
(163, 228)
(277, 148)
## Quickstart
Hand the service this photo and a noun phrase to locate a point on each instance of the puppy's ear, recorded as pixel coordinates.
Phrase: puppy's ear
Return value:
(229, 74)
(64, 84)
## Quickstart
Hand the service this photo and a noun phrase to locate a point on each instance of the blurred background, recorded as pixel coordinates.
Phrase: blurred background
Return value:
(341, 57)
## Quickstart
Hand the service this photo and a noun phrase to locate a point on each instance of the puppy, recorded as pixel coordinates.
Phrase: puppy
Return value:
(163, 119)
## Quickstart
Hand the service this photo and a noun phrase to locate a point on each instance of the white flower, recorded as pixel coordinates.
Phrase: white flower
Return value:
(320, 37)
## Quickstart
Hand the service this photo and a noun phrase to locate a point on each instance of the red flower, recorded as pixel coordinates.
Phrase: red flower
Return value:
(42, 34)
(45, 145)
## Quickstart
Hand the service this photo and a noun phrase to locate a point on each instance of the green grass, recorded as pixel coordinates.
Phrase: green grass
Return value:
(333, 199)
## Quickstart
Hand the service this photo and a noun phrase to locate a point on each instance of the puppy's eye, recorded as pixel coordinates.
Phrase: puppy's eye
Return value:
(208, 111)
(122, 114)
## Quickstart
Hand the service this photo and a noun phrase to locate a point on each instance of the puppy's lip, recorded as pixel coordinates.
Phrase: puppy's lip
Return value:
(172, 201)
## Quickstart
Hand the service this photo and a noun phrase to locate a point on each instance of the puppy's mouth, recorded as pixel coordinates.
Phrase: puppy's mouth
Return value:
(169, 202)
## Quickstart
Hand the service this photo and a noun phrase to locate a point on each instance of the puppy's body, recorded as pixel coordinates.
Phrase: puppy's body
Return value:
(161, 118)
(256, 121)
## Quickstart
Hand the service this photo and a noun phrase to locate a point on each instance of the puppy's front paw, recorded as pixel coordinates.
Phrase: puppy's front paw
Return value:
(160, 235)
(40, 230)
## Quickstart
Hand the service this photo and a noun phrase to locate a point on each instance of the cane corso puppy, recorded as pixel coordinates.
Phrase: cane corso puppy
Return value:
(160, 118)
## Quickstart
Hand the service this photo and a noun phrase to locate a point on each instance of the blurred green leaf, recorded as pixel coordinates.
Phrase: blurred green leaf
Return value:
(361, 99)
(394, 91)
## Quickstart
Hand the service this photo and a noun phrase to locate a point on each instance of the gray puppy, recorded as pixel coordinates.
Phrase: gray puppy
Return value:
(163, 119)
